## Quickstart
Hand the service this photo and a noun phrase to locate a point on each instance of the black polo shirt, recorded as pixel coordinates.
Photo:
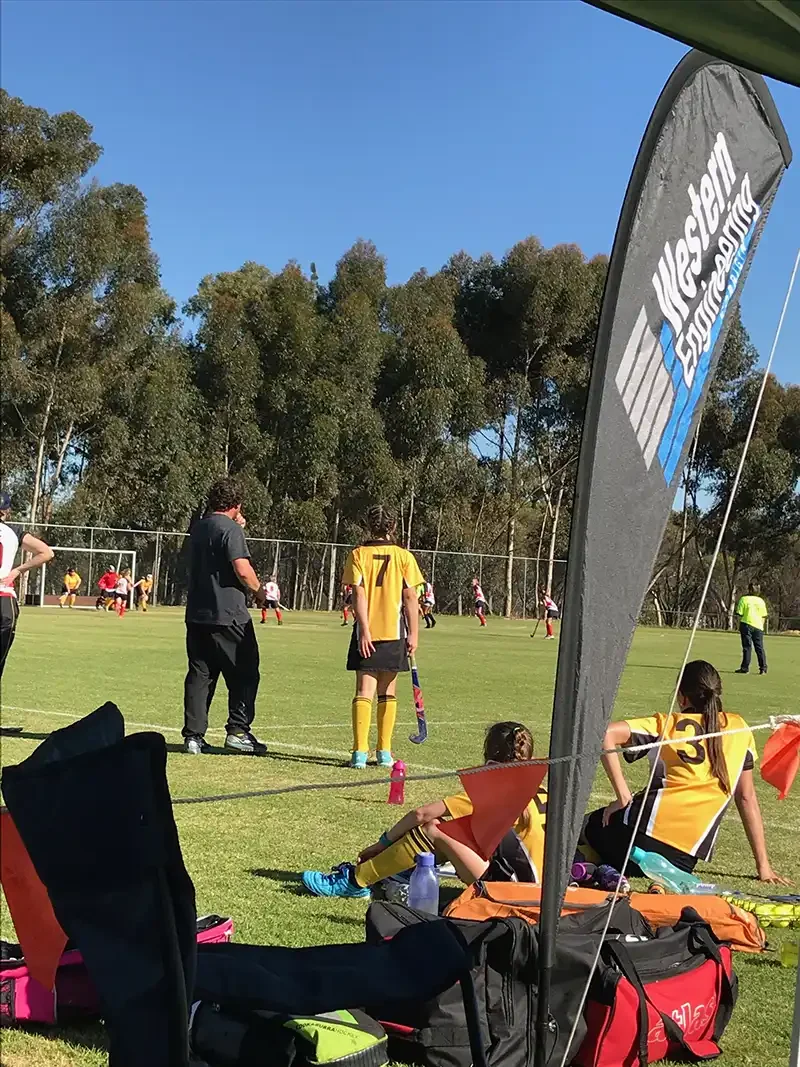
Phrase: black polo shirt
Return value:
(216, 596)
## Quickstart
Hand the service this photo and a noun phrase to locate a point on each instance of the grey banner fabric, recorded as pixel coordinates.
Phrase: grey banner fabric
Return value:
(709, 166)
(762, 35)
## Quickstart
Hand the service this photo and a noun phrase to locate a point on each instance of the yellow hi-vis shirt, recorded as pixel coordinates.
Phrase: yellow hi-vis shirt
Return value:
(686, 803)
(752, 611)
(383, 570)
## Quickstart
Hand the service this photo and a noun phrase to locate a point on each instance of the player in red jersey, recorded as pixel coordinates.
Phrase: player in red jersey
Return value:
(107, 584)
(481, 605)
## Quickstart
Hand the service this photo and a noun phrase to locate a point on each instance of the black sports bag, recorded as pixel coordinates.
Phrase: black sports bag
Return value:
(433, 1033)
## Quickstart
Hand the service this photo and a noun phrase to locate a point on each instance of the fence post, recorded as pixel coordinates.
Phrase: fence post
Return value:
(525, 590)
(91, 557)
(156, 567)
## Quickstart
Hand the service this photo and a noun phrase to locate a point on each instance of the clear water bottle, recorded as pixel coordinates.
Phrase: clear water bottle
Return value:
(423, 889)
(655, 866)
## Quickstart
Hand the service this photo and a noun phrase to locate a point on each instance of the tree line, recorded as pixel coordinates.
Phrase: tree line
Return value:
(456, 396)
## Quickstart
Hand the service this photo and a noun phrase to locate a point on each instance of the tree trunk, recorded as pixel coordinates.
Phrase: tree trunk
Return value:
(657, 603)
(538, 561)
(48, 507)
(687, 477)
(332, 571)
(410, 518)
(436, 546)
(320, 581)
(511, 528)
(551, 552)
(37, 477)
(304, 583)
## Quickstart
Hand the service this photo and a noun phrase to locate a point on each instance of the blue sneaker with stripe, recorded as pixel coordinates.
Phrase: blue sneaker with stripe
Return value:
(339, 883)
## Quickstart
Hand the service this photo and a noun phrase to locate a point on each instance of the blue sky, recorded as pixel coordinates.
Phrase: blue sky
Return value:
(276, 131)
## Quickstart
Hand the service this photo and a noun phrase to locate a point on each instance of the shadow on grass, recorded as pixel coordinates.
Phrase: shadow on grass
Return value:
(90, 1036)
(319, 761)
(25, 735)
(290, 881)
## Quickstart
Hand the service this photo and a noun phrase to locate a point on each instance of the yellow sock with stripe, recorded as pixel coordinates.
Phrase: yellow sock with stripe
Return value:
(362, 717)
(396, 858)
(387, 716)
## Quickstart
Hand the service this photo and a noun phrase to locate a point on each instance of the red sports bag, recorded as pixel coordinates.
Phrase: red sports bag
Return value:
(23, 999)
(670, 996)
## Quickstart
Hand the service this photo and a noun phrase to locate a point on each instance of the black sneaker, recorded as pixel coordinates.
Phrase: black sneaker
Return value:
(246, 743)
(763, 670)
(742, 670)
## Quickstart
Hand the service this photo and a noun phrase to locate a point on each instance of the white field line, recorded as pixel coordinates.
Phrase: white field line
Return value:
(160, 728)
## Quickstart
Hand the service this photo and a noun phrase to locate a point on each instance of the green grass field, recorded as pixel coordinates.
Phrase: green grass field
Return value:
(244, 856)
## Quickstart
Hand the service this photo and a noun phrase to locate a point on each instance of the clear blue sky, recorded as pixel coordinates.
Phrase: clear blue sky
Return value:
(276, 131)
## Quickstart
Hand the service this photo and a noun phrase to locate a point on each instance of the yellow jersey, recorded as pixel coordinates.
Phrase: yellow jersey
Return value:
(383, 570)
(145, 585)
(686, 803)
(72, 581)
(530, 830)
(752, 611)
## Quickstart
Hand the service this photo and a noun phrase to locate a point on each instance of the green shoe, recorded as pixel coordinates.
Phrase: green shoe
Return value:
(358, 761)
(385, 758)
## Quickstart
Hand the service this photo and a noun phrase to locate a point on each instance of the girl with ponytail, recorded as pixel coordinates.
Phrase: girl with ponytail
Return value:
(384, 580)
(518, 857)
(696, 778)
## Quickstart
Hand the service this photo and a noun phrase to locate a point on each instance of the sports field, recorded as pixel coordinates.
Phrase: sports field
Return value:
(245, 855)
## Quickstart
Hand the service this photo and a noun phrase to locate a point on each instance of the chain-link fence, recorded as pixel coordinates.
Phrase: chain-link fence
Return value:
(651, 615)
(308, 573)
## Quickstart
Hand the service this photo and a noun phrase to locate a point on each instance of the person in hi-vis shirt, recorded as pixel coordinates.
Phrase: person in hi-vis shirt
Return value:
(752, 612)
(384, 578)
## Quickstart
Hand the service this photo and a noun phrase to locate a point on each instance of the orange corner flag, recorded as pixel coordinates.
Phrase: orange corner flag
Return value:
(781, 758)
(499, 796)
(38, 930)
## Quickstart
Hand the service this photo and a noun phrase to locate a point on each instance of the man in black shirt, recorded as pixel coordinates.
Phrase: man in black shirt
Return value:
(220, 637)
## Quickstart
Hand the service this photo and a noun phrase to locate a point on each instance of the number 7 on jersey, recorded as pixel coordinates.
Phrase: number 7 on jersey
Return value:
(419, 706)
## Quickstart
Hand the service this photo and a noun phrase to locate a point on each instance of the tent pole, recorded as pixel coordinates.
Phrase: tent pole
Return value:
(794, 1048)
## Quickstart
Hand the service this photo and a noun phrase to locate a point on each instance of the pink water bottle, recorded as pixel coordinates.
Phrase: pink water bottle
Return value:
(397, 790)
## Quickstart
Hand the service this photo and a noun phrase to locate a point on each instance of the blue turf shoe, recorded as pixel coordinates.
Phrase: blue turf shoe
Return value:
(384, 758)
(340, 883)
(358, 761)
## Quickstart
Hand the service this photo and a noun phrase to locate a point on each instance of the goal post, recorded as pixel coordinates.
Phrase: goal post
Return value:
(51, 574)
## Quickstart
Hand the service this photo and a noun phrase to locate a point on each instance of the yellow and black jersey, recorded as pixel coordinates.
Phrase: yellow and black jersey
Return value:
(144, 585)
(529, 830)
(72, 581)
(383, 571)
(686, 803)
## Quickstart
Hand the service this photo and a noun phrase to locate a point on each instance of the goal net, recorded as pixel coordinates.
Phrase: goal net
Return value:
(89, 563)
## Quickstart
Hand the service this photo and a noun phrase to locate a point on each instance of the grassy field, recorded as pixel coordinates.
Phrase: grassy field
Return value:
(244, 856)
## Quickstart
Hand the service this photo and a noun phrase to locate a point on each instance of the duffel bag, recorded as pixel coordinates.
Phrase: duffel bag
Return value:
(23, 999)
(222, 1037)
(433, 1033)
(495, 900)
(671, 997)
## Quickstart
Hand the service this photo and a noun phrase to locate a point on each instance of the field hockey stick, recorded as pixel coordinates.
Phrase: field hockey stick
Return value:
(536, 627)
(419, 707)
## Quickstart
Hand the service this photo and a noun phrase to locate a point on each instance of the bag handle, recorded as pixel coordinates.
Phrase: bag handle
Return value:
(710, 945)
(625, 964)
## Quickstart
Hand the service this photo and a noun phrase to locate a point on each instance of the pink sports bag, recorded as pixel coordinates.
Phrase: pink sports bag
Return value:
(23, 999)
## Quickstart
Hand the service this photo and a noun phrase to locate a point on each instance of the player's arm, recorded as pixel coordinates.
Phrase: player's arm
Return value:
(618, 734)
(42, 554)
(411, 608)
(365, 645)
(249, 579)
(750, 814)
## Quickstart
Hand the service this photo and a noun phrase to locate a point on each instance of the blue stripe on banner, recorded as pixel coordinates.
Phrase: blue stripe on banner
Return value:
(686, 400)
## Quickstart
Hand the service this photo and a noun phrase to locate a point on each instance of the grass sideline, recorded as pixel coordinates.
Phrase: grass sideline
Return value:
(244, 856)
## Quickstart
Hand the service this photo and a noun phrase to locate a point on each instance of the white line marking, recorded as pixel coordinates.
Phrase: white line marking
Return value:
(159, 728)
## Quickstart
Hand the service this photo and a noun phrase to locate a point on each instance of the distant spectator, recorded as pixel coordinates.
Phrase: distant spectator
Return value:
(752, 612)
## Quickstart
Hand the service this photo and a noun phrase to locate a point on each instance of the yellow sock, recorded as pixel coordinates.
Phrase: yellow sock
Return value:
(394, 859)
(61, 600)
(362, 716)
(387, 713)
(72, 600)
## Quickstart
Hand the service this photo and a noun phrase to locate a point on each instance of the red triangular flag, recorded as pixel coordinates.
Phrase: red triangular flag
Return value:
(499, 796)
(40, 935)
(781, 758)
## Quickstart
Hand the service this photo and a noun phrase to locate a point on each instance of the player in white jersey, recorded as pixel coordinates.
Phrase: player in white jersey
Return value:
(481, 606)
(11, 538)
(122, 592)
(427, 604)
(550, 609)
(272, 593)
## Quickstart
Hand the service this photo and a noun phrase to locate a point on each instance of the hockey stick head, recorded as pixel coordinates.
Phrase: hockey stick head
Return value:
(419, 706)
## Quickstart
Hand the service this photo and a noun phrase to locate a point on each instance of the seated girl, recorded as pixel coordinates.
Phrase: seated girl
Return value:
(694, 783)
(517, 858)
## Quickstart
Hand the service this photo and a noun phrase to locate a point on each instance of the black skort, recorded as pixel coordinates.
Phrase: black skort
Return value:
(552, 613)
(274, 604)
(389, 656)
